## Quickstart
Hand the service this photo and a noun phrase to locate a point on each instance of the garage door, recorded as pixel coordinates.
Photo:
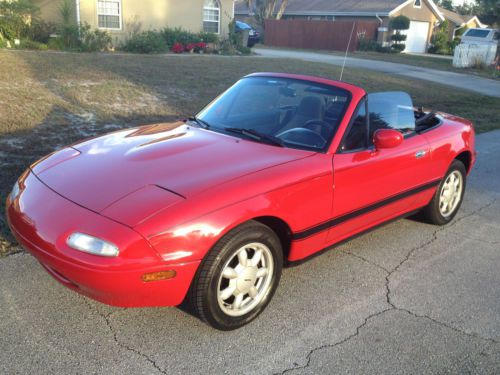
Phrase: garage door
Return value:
(416, 37)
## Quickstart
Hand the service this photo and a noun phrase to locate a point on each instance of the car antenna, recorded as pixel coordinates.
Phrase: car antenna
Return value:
(347, 51)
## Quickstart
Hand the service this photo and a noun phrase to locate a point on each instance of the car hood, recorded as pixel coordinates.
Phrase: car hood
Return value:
(146, 169)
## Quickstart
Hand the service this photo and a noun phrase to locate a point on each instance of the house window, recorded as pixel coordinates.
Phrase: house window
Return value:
(417, 4)
(211, 16)
(109, 14)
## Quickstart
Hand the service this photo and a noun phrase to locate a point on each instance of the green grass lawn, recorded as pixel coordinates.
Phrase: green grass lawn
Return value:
(48, 100)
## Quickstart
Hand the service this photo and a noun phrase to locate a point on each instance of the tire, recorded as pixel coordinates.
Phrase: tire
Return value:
(230, 289)
(444, 206)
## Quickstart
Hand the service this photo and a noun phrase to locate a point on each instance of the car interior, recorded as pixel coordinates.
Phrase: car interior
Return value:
(299, 114)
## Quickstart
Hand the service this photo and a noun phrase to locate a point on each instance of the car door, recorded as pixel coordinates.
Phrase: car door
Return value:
(372, 185)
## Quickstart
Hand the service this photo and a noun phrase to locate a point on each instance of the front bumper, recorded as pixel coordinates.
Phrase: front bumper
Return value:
(41, 220)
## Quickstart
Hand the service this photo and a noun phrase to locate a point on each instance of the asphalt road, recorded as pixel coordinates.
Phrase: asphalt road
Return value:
(466, 82)
(406, 298)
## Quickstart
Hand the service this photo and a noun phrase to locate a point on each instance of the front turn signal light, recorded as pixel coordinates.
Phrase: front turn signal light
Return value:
(156, 276)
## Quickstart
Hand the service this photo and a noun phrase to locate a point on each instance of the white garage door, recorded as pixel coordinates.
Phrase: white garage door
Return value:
(416, 39)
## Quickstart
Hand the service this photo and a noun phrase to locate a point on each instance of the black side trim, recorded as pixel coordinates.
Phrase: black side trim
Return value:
(295, 263)
(351, 215)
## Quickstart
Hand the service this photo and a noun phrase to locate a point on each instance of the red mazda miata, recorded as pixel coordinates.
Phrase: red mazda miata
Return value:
(208, 210)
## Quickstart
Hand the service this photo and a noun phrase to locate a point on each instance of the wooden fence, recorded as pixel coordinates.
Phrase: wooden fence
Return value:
(321, 35)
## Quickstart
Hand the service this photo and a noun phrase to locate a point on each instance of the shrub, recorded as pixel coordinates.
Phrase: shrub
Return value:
(14, 16)
(178, 35)
(177, 48)
(399, 23)
(398, 47)
(40, 31)
(56, 44)
(189, 47)
(440, 44)
(227, 48)
(3, 43)
(208, 37)
(367, 44)
(383, 49)
(31, 44)
(69, 36)
(244, 50)
(94, 40)
(146, 42)
(200, 47)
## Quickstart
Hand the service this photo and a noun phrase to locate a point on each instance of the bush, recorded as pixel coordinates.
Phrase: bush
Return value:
(94, 40)
(399, 23)
(398, 47)
(398, 37)
(177, 48)
(3, 43)
(56, 44)
(146, 42)
(14, 16)
(31, 44)
(12, 27)
(178, 35)
(40, 31)
(69, 36)
(440, 44)
(244, 50)
(367, 45)
(208, 37)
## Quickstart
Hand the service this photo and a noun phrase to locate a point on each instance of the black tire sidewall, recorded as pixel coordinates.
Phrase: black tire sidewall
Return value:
(226, 247)
(435, 213)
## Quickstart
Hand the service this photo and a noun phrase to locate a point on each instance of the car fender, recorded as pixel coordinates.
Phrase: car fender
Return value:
(187, 231)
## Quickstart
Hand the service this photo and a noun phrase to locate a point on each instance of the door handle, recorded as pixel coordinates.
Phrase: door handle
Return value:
(420, 154)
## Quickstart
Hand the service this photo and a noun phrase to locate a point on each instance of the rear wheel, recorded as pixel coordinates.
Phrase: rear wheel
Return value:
(448, 197)
(238, 277)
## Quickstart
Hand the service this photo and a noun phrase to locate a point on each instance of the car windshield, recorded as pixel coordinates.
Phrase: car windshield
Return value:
(281, 111)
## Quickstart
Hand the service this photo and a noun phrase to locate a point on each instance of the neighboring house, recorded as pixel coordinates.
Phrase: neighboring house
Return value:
(457, 22)
(424, 16)
(121, 17)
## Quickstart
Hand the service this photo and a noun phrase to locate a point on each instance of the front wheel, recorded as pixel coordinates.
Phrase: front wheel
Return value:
(238, 277)
(448, 197)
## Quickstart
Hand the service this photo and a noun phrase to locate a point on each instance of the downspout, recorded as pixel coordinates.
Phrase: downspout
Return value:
(379, 19)
(77, 6)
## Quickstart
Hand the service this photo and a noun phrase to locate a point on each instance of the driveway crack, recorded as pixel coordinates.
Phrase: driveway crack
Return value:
(343, 341)
(107, 320)
(392, 305)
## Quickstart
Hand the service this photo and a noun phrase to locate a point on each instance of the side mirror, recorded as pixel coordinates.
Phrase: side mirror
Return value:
(387, 138)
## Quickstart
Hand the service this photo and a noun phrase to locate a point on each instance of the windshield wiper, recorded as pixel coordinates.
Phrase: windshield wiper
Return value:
(261, 137)
(203, 124)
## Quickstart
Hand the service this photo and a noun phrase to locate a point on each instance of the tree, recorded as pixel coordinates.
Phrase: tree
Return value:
(489, 11)
(398, 38)
(446, 4)
(265, 9)
(15, 17)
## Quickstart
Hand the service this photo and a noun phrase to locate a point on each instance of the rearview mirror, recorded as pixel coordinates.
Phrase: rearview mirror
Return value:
(387, 138)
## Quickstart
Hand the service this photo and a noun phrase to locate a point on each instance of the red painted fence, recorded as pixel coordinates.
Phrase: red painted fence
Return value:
(322, 35)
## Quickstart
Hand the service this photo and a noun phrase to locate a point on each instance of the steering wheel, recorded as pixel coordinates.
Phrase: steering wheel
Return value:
(324, 126)
(304, 136)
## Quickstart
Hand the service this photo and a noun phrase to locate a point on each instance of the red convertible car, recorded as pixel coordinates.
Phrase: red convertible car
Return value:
(209, 210)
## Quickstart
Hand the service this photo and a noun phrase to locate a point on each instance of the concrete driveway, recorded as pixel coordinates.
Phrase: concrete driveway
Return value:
(466, 82)
(406, 298)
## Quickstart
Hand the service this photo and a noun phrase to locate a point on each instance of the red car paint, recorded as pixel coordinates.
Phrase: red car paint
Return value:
(166, 193)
